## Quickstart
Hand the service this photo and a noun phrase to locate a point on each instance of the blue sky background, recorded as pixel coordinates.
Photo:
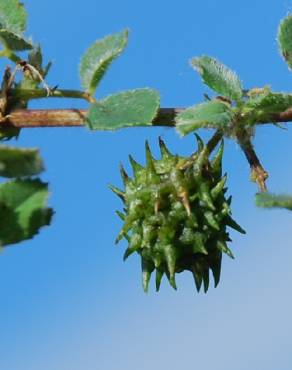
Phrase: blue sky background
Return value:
(68, 302)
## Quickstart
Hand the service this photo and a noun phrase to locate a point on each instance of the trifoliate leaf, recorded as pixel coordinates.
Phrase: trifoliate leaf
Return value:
(98, 58)
(213, 114)
(12, 41)
(22, 210)
(262, 105)
(125, 109)
(268, 200)
(12, 16)
(18, 162)
(218, 77)
(269, 102)
(285, 39)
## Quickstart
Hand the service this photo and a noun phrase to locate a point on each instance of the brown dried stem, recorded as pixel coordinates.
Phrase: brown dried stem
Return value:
(29, 118)
(76, 117)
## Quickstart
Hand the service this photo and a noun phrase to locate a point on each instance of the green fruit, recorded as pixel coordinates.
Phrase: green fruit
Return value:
(176, 215)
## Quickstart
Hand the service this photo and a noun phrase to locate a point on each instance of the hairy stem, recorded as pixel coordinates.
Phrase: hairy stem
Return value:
(28, 94)
(75, 117)
(215, 139)
(258, 174)
(28, 118)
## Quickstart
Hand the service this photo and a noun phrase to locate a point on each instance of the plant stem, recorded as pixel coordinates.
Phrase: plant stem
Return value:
(212, 143)
(31, 118)
(75, 117)
(258, 174)
(28, 118)
(28, 94)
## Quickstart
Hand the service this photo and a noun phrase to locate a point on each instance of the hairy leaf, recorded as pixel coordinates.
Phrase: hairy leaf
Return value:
(98, 58)
(12, 16)
(264, 104)
(285, 39)
(13, 41)
(213, 114)
(22, 210)
(218, 77)
(18, 162)
(129, 108)
(270, 102)
(268, 200)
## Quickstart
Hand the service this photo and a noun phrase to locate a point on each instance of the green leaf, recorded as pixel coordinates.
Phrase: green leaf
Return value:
(12, 41)
(268, 200)
(12, 25)
(17, 162)
(212, 114)
(22, 210)
(218, 77)
(262, 105)
(12, 16)
(269, 102)
(285, 39)
(99, 57)
(129, 108)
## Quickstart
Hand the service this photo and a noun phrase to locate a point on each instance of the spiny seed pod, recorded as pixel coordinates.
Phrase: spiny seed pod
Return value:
(176, 215)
